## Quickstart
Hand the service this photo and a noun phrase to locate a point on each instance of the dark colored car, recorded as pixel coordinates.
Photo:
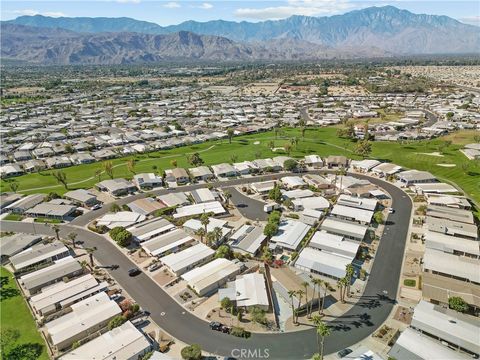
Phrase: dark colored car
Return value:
(344, 352)
(215, 325)
(134, 272)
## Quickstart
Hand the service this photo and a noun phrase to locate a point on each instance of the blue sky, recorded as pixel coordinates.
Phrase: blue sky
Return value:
(173, 12)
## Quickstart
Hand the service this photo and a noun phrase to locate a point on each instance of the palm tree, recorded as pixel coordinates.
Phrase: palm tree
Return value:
(217, 234)
(291, 295)
(230, 134)
(72, 236)
(56, 229)
(342, 284)
(200, 232)
(227, 194)
(322, 331)
(204, 220)
(90, 252)
(317, 284)
(326, 286)
(340, 288)
(84, 264)
(349, 271)
(305, 286)
(342, 172)
(300, 294)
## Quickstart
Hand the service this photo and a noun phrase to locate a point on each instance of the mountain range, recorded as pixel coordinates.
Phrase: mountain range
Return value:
(370, 32)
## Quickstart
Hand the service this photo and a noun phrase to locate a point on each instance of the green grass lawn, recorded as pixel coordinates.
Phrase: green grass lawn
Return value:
(16, 315)
(13, 217)
(48, 221)
(322, 141)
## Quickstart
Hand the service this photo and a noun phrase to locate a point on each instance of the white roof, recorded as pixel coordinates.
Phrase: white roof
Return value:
(202, 195)
(123, 342)
(447, 243)
(37, 253)
(459, 329)
(290, 234)
(346, 228)
(121, 218)
(387, 168)
(251, 290)
(366, 164)
(85, 315)
(165, 242)
(423, 346)
(61, 291)
(293, 181)
(436, 188)
(356, 202)
(184, 258)
(460, 266)
(353, 213)
(196, 209)
(323, 262)
(59, 269)
(215, 271)
(296, 194)
(173, 199)
(336, 244)
(313, 202)
(248, 238)
(148, 229)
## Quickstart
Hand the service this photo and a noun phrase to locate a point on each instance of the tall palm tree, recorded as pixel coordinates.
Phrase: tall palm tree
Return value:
(305, 286)
(317, 283)
(56, 229)
(349, 271)
(326, 286)
(201, 232)
(90, 252)
(227, 194)
(204, 220)
(291, 295)
(300, 294)
(342, 172)
(217, 234)
(72, 236)
(323, 331)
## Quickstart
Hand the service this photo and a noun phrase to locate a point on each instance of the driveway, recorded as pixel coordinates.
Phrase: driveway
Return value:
(372, 309)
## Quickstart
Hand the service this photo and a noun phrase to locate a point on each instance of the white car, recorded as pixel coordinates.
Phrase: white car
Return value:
(97, 207)
(391, 211)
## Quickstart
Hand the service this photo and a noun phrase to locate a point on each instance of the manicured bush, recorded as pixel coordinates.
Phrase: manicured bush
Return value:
(409, 282)
(192, 352)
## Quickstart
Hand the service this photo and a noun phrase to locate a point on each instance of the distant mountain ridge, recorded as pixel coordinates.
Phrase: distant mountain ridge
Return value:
(386, 28)
(63, 47)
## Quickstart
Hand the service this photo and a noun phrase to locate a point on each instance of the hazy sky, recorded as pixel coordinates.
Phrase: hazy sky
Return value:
(174, 12)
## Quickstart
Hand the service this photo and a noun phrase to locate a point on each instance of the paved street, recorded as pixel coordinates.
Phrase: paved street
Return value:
(367, 315)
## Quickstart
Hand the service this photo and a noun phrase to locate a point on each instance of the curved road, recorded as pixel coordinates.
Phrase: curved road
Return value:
(371, 310)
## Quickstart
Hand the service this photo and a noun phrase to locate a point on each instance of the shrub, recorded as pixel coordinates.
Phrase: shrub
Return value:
(121, 236)
(240, 332)
(410, 282)
(192, 352)
(458, 304)
(116, 322)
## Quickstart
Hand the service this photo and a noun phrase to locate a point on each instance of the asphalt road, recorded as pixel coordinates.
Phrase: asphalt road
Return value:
(371, 310)
(250, 208)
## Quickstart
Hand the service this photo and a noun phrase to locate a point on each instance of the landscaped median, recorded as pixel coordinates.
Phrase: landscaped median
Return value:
(20, 336)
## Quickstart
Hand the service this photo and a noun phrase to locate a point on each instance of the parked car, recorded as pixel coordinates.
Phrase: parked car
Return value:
(155, 266)
(391, 210)
(215, 325)
(97, 207)
(344, 352)
(134, 272)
